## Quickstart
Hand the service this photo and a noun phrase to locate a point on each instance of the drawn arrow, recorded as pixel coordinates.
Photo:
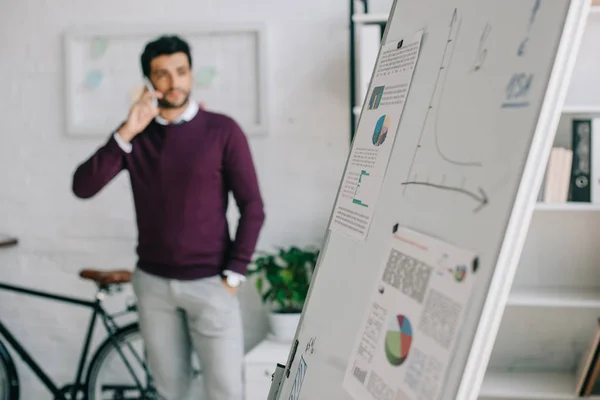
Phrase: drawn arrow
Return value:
(480, 197)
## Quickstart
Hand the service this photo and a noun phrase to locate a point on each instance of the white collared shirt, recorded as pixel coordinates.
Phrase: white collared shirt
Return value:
(187, 115)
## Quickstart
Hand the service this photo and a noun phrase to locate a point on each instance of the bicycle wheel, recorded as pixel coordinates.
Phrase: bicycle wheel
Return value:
(119, 371)
(9, 381)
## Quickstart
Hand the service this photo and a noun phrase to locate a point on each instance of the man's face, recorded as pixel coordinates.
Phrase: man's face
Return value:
(172, 75)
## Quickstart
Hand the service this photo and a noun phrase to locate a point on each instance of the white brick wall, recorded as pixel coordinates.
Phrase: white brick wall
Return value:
(299, 164)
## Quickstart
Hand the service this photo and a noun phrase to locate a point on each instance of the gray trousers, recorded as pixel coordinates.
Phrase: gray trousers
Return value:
(177, 317)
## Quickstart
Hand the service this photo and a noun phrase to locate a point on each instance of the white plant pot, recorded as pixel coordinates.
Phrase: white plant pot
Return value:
(283, 326)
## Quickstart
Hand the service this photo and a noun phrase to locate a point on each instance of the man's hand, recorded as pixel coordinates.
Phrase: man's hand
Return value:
(140, 115)
(230, 289)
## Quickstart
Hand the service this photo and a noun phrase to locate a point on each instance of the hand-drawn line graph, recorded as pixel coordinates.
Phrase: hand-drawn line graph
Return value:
(480, 196)
(450, 47)
(441, 84)
(434, 113)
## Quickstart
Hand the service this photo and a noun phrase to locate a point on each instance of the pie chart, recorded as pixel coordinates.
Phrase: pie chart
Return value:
(398, 340)
(381, 130)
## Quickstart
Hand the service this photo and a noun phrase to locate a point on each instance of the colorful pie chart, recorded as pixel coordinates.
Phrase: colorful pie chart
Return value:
(398, 340)
(460, 272)
(381, 130)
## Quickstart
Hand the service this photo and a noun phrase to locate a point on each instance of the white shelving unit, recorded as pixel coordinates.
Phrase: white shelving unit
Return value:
(555, 301)
(555, 297)
(529, 385)
(362, 18)
(582, 109)
(567, 207)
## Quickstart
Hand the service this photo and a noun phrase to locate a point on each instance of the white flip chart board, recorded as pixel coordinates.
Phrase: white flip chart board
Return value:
(436, 199)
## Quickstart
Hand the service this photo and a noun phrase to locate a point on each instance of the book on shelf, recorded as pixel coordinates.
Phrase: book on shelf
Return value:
(558, 175)
(573, 174)
(588, 372)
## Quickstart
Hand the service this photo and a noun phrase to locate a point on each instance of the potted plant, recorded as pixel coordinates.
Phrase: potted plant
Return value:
(283, 279)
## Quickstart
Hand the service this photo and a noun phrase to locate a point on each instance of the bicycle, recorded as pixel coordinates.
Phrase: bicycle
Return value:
(102, 380)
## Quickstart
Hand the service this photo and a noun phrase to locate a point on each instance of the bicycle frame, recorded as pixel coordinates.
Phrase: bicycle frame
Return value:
(97, 311)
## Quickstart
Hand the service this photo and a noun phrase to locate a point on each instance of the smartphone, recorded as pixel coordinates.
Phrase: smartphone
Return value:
(150, 88)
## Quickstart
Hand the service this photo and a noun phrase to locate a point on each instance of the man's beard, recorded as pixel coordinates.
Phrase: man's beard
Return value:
(164, 103)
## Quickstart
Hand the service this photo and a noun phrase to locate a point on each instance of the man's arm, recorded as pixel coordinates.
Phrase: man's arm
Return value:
(240, 177)
(91, 176)
(97, 171)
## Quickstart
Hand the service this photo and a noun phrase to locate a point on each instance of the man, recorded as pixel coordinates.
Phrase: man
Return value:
(183, 161)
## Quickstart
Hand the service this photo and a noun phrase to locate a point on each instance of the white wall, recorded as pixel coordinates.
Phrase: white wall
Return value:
(299, 164)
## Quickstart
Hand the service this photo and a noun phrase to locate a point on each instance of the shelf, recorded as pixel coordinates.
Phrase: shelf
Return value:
(555, 297)
(581, 109)
(529, 385)
(567, 206)
(370, 18)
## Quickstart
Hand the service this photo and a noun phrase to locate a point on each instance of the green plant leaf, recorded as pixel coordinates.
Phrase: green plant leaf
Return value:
(267, 294)
(288, 272)
(297, 297)
(287, 276)
(281, 299)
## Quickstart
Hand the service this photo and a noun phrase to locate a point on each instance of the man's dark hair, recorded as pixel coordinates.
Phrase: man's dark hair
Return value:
(163, 45)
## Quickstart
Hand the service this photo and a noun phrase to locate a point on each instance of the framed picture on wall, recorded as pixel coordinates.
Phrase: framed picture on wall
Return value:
(103, 74)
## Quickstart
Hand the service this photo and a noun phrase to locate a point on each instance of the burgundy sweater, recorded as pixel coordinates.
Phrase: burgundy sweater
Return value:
(181, 175)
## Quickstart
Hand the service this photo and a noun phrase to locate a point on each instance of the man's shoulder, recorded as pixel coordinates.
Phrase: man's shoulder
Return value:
(215, 117)
(220, 120)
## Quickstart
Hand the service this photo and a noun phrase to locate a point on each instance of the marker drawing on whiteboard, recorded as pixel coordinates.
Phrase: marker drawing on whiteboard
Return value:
(516, 105)
(433, 112)
(450, 44)
(310, 346)
(482, 49)
(517, 90)
(449, 40)
(480, 197)
(534, 12)
(532, 17)
(449, 51)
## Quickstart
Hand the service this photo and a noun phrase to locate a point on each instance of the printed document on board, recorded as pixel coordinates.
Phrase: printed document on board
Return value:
(374, 137)
(410, 329)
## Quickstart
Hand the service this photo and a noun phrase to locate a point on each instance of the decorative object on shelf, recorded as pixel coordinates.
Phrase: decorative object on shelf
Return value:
(283, 280)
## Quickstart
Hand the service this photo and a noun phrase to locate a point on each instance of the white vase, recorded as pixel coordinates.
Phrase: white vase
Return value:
(283, 326)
